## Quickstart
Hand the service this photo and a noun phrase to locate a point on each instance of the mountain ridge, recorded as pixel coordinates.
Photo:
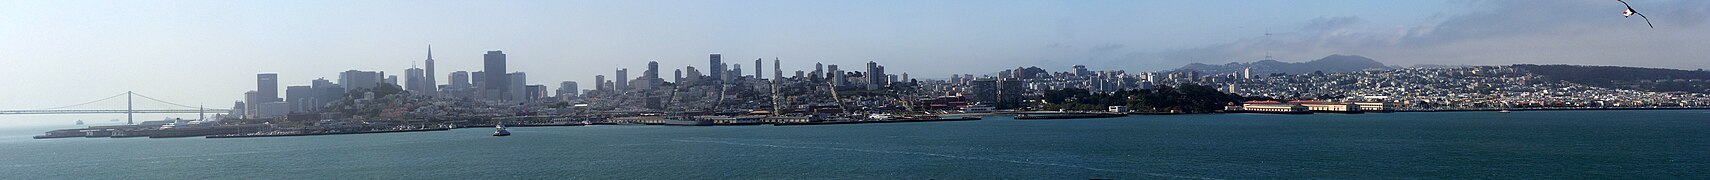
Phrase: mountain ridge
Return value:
(1329, 64)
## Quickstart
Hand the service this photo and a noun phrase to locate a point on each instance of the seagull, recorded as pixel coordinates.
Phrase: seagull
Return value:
(1630, 12)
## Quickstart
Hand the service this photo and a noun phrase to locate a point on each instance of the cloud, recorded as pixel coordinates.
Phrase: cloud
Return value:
(1496, 32)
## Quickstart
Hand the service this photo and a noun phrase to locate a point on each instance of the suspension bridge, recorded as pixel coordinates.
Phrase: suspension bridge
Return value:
(129, 111)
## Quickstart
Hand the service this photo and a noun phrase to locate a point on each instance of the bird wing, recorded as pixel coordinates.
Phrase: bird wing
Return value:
(1647, 19)
(1641, 15)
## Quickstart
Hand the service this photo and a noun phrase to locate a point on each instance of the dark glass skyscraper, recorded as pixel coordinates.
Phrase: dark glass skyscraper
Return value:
(715, 67)
(497, 85)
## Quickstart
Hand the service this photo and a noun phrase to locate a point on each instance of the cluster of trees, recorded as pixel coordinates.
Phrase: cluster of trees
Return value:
(1188, 98)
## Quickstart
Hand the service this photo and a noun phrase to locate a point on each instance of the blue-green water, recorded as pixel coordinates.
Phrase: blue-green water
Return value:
(1669, 144)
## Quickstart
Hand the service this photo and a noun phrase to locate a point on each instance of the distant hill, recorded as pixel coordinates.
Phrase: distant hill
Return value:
(1329, 64)
(1635, 78)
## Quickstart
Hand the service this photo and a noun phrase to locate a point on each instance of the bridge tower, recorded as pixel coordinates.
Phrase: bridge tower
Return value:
(130, 117)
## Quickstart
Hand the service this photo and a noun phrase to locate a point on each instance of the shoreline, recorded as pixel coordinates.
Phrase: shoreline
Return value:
(1557, 109)
(258, 134)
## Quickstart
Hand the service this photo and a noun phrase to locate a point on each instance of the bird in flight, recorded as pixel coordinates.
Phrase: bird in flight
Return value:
(1630, 12)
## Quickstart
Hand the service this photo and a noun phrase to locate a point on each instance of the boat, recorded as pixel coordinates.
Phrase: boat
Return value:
(501, 131)
(978, 108)
(1503, 111)
(79, 122)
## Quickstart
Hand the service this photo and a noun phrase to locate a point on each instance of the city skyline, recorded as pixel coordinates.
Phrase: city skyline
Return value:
(221, 49)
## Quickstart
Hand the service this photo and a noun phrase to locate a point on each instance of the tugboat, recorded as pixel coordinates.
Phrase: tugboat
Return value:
(501, 131)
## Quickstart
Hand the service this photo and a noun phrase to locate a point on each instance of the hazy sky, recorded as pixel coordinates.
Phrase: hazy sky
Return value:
(207, 52)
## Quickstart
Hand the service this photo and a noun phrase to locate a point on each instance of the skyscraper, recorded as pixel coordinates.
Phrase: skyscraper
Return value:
(1081, 70)
(1247, 73)
(679, 77)
(354, 79)
(715, 66)
(777, 69)
(622, 83)
(432, 85)
(652, 70)
(600, 83)
(727, 76)
(460, 80)
(301, 98)
(266, 87)
(497, 84)
(735, 71)
(836, 76)
(692, 76)
(875, 75)
(415, 81)
(758, 70)
(479, 80)
(567, 89)
(818, 71)
(519, 87)
(250, 99)
(325, 92)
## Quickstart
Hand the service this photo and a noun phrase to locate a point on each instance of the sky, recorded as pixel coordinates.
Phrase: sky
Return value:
(63, 52)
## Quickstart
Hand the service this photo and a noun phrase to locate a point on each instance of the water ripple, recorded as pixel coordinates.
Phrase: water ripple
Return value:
(946, 156)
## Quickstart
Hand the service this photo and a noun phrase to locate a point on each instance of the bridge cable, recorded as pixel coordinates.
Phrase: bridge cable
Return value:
(85, 103)
(162, 101)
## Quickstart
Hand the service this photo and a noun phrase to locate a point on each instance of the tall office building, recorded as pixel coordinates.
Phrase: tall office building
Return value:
(267, 87)
(358, 79)
(518, 86)
(715, 66)
(875, 75)
(836, 76)
(735, 72)
(1247, 73)
(301, 98)
(599, 83)
(727, 76)
(415, 81)
(652, 70)
(325, 92)
(567, 89)
(250, 99)
(679, 77)
(622, 83)
(432, 84)
(818, 71)
(692, 76)
(460, 80)
(758, 70)
(531, 92)
(608, 84)
(497, 86)
(1081, 70)
(478, 79)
